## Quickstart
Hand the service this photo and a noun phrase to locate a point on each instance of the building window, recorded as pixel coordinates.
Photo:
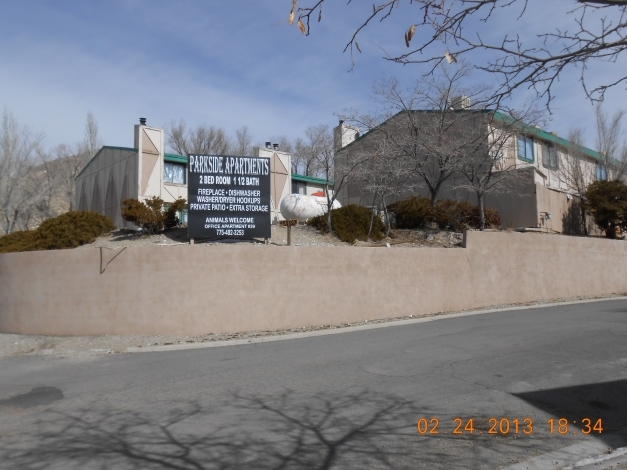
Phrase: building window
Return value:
(601, 172)
(525, 148)
(299, 188)
(549, 156)
(173, 173)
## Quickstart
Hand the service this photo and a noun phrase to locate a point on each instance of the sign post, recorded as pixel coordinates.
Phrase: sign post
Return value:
(228, 197)
(289, 223)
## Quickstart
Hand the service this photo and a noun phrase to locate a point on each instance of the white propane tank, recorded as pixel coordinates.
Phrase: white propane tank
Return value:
(300, 207)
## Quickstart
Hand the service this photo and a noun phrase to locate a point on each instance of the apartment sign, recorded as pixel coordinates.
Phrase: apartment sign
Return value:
(228, 197)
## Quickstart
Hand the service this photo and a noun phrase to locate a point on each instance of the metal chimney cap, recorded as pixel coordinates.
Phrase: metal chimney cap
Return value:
(268, 145)
(341, 121)
(142, 121)
(275, 146)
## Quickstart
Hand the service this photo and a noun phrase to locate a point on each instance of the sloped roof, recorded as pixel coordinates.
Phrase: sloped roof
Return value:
(104, 147)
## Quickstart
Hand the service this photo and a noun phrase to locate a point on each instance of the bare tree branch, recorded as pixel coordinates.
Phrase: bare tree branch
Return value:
(610, 144)
(19, 191)
(451, 29)
(243, 142)
(202, 139)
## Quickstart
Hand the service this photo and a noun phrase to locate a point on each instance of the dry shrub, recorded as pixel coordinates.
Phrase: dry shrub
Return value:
(151, 215)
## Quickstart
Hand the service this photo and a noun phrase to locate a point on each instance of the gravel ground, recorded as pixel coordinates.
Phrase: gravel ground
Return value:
(302, 235)
(85, 346)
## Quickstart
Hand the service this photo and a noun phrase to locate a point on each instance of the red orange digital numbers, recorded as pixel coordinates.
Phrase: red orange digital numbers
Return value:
(505, 426)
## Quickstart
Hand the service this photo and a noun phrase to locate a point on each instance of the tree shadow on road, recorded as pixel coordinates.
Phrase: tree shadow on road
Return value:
(291, 430)
(361, 430)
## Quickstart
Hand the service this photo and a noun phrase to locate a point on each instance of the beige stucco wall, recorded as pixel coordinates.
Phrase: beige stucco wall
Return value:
(150, 145)
(201, 289)
(172, 191)
(280, 178)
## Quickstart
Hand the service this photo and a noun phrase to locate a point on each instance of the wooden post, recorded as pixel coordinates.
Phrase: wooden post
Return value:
(289, 223)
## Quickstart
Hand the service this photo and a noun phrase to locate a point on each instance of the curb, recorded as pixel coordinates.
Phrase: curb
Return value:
(350, 329)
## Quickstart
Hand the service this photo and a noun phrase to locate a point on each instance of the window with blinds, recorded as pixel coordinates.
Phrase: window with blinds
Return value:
(549, 156)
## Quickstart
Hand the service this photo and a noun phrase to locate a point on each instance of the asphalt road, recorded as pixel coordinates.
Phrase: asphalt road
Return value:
(348, 400)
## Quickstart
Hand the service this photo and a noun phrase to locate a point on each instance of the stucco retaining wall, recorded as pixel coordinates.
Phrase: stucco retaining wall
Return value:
(200, 289)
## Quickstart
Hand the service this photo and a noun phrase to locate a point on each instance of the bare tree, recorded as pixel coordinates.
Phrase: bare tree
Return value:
(19, 189)
(299, 158)
(243, 142)
(43, 182)
(91, 142)
(487, 164)
(35, 184)
(451, 29)
(202, 139)
(440, 134)
(284, 142)
(576, 172)
(427, 123)
(383, 173)
(305, 159)
(610, 143)
(66, 163)
(337, 172)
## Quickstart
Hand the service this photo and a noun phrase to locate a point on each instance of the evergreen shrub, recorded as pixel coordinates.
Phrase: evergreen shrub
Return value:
(449, 213)
(607, 202)
(17, 241)
(351, 223)
(492, 218)
(72, 229)
(411, 213)
(68, 230)
(416, 212)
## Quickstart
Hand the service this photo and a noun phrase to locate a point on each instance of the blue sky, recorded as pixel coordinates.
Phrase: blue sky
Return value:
(222, 63)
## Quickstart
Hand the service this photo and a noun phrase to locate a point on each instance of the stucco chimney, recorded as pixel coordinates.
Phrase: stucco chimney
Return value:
(344, 135)
(460, 102)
